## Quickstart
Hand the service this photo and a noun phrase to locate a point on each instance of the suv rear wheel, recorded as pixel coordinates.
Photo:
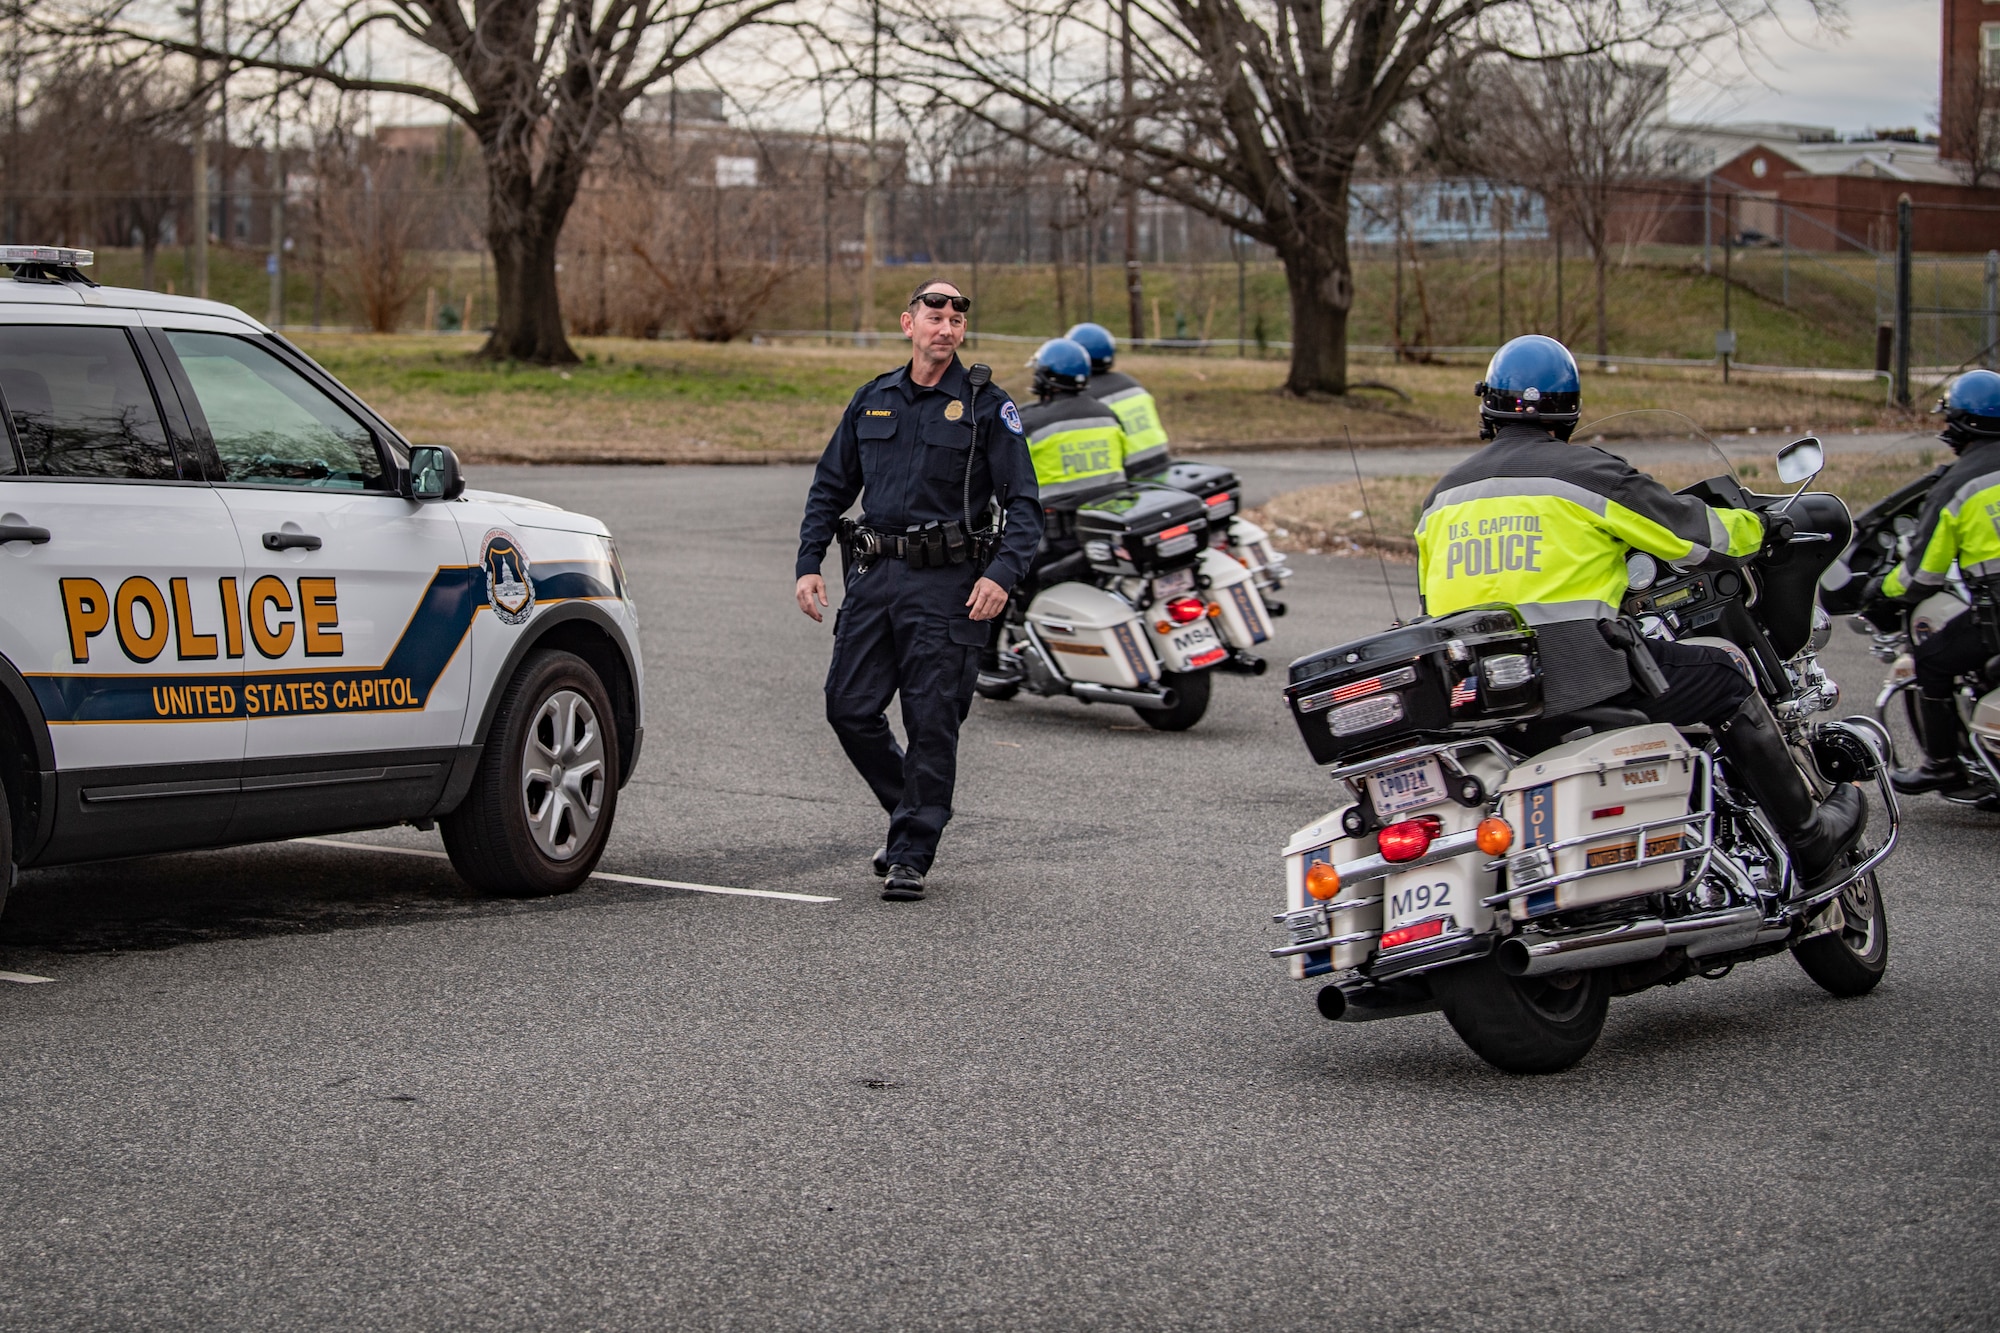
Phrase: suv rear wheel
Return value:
(542, 802)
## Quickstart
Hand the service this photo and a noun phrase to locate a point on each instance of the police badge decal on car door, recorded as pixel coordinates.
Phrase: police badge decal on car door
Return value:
(510, 589)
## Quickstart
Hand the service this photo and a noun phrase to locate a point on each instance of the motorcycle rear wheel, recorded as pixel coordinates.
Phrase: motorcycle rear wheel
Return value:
(1523, 1025)
(1191, 690)
(1849, 961)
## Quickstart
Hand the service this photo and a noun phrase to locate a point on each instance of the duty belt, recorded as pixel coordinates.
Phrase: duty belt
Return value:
(924, 546)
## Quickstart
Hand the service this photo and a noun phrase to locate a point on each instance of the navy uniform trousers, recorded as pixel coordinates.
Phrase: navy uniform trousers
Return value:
(903, 630)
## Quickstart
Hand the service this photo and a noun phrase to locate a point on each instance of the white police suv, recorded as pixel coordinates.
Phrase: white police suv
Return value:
(236, 605)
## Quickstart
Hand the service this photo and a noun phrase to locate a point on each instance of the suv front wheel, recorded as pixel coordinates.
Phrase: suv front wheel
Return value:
(541, 804)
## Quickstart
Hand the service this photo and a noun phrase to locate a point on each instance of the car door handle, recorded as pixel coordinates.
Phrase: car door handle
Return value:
(22, 532)
(285, 541)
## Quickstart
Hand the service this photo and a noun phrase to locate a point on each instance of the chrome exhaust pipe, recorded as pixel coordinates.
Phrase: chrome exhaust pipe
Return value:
(1092, 693)
(1242, 663)
(1629, 942)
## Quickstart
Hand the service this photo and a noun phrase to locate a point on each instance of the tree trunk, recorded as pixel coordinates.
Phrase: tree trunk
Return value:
(149, 256)
(524, 221)
(1322, 293)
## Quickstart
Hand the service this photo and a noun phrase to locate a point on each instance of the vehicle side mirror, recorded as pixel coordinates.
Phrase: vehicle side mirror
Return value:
(1800, 461)
(434, 473)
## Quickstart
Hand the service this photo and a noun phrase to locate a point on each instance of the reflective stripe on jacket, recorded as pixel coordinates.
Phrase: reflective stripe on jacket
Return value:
(1138, 417)
(1545, 526)
(1076, 444)
(1961, 522)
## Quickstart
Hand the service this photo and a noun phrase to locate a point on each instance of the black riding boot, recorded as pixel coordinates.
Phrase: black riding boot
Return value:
(1819, 834)
(1941, 770)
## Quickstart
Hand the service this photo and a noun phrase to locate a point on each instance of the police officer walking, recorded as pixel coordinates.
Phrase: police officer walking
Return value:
(1566, 515)
(949, 522)
(1957, 527)
(1138, 414)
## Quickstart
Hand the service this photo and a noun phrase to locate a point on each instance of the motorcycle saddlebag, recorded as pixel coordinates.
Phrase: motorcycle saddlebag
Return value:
(1143, 529)
(1471, 670)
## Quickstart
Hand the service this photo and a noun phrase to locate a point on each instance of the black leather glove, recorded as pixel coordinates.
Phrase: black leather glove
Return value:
(1885, 613)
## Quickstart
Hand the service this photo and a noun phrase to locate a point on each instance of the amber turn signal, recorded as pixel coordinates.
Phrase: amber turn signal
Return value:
(1496, 835)
(1322, 880)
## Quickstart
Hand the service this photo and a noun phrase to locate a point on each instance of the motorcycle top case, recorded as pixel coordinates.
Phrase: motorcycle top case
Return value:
(1218, 487)
(1468, 670)
(1143, 529)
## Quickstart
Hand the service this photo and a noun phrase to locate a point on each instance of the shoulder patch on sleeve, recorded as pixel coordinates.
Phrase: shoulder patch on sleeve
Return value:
(1012, 416)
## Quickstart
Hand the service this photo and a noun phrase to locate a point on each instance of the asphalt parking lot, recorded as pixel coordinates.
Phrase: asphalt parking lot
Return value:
(310, 1085)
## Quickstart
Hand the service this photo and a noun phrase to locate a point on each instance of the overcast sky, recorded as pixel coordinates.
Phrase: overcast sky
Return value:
(1882, 74)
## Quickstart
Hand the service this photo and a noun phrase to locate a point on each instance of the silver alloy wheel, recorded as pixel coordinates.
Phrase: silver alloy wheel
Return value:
(1857, 906)
(562, 774)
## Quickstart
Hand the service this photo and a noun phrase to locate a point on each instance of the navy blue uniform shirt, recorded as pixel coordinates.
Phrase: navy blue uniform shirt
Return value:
(901, 447)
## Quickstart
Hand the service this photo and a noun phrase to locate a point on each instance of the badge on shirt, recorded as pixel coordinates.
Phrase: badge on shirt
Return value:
(953, 410)
(1012, 416)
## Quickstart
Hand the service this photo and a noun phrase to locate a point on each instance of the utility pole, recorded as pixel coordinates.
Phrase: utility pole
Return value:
(865, 322)
(13, 217)
(199, 278)
(222, 181)
(1904, 227)
(275, 265)
(1727, 344)
(1991, 357)
(1134, 287)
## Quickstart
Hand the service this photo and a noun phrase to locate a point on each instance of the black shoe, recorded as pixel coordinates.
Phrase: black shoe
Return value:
(1819, 834)
(880, 863)
(905, 885)
(1931, 775)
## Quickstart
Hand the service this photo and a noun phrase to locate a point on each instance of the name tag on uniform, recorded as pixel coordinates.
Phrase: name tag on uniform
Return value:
(876, 412)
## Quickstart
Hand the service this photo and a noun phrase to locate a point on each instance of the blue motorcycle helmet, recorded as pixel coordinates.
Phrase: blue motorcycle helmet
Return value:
(1971, 409)
(1096, 340)
(1531, 381)
(1061, 366)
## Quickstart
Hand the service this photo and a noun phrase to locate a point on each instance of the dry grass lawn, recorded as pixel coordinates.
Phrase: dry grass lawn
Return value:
(1333, 520)
(671, 402)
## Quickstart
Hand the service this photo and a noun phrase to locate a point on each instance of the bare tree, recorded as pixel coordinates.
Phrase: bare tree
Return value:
(1256, 112)
(1969, 123)
(1579, 133)
(378, 211)
(538, 83)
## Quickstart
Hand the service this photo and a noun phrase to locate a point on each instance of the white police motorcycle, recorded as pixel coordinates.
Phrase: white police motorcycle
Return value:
(1517, 863)
(1142, 616)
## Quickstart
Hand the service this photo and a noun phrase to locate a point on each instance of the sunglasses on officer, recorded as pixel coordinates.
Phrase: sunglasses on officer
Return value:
(939, 300)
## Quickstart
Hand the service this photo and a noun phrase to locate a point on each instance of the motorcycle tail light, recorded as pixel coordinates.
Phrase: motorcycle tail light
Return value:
(1322, 880)
(1495, 835)
(1410, 934)
(1408, 840)
(1186, 610)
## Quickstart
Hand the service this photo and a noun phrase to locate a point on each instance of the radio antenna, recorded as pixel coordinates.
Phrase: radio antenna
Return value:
(1369, 514)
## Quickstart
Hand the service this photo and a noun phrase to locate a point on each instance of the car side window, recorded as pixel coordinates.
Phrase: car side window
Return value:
(270, 424)
(80, 405)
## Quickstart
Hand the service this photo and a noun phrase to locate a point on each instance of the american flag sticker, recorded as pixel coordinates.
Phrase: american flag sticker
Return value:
(1465, 692)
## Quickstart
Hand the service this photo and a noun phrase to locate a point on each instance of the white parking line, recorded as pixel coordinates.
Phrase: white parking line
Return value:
(598, 874)
(24, 978)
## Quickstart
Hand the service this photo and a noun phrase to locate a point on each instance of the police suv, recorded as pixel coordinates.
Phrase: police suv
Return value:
(236, 605)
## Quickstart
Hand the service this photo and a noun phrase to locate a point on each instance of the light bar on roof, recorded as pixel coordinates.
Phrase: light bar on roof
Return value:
(47, 254)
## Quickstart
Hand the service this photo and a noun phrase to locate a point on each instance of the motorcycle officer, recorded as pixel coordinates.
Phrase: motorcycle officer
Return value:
(1077, 448)
(1138, 414)
(1566, 515)
(1958, 525)
(925, 448)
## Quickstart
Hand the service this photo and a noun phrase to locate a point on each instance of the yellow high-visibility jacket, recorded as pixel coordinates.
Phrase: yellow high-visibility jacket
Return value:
(1138, 417)
(1077, 446)
(1961, 522)
(1544, 525)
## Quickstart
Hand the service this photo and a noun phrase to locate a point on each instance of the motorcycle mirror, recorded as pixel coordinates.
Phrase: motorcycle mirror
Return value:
(1838, 575)
(1800, 461)
(1640, 571)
